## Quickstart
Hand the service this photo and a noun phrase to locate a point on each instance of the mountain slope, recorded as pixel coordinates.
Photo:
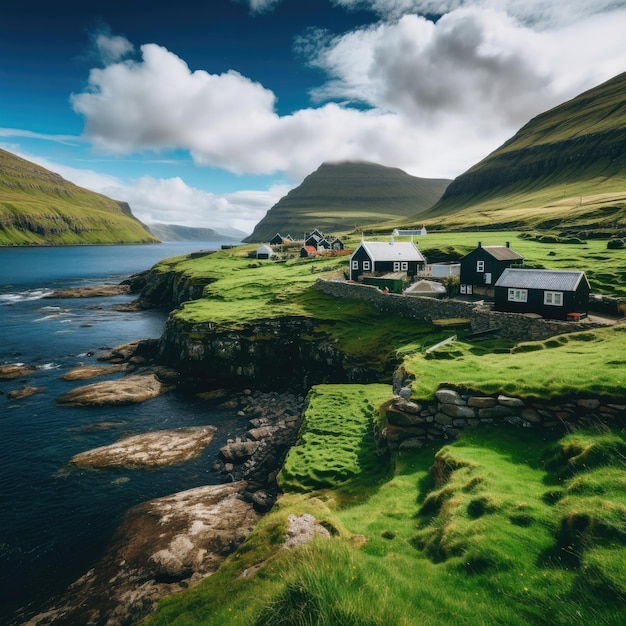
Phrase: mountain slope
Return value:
(565, 169)
(338, 197)
(40, 207)
(175, 232)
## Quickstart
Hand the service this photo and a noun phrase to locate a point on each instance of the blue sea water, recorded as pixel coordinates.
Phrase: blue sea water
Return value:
(55, 522)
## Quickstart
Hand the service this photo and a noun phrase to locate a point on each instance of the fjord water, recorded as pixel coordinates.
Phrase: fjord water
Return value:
(54, 521)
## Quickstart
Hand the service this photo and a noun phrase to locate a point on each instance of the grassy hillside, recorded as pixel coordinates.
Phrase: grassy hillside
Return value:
(340, 197)
(564, 170)
(175, 232)
(39, 207)
(503, 526)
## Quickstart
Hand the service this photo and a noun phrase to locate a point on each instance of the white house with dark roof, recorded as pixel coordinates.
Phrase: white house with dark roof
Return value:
(379, 257)
(555, 294)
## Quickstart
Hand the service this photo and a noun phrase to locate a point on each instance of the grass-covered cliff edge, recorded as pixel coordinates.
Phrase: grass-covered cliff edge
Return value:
(504, 525)
(39, 207)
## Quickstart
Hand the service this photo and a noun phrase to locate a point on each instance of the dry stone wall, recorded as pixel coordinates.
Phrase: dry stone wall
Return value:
(409, 424)
(513, 326)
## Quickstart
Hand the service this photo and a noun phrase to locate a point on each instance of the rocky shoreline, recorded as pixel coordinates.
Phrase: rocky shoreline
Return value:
(168, 544)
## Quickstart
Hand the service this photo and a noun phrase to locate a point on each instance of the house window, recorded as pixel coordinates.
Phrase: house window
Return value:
(366, 266)
(518, 295)
(355, 265)
(404, 266)
(396, 266)
(480, 266)
(553, 298)
(466, 289)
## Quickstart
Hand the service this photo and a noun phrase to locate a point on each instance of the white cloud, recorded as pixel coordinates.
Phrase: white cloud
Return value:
(260, 6)
(439, 95)
(172, 201)
(27, 134)
(540, 14)
(112, 48)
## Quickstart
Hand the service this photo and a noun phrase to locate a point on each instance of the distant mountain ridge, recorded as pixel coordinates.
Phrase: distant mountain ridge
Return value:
(340, 197)
(39, 207)
(565, 169)
(175, 232)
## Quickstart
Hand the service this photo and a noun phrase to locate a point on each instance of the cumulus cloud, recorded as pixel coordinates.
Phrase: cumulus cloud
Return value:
(172, 201)
(227, 120)
(540, 14)
(474, 63)
(432, 97)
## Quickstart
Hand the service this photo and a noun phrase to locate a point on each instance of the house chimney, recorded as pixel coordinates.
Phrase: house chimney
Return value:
(480, 244)
(508, 244)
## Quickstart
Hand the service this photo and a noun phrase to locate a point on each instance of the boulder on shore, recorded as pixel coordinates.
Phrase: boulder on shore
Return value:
(84, 372)
(96, 291)
(24, 392)
(155, 449)
(162, 547)
(15, 370)
(128, 390)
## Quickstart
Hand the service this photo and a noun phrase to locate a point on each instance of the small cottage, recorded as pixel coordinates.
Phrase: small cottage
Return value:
(279, 240)
(307, 251)
(264, 252)
(481, 268)
(378, 257)
(335, 243)
(555, 294)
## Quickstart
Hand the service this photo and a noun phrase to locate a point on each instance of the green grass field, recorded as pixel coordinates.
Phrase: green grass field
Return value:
(502, 526)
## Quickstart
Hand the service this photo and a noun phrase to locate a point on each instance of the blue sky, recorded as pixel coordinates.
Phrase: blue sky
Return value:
(205, 114)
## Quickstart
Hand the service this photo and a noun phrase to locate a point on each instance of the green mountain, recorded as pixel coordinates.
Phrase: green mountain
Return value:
(39, 207)
(564, 170)
(175, 232)
(340, 197)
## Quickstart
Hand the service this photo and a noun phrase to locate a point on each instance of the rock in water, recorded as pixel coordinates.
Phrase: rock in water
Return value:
(161, 547)
(15, 370)
(155, 449)
(128, 390)
(85, 372)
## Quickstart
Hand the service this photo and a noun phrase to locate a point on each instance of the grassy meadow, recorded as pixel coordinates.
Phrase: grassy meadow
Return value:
(502, 526)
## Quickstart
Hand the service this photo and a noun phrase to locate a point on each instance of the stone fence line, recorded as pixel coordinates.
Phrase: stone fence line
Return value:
(409, 424)
(512, 326)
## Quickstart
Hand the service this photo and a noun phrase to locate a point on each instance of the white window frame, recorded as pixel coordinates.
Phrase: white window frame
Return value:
(355, 265)
(396, 266)
(480, 266)
(404, 266)
(553, 298)
(517, 295)
(366, 266)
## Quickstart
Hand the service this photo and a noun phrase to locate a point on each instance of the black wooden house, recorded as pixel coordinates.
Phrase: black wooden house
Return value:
(481, 268)
(554, 294)
(378, 257)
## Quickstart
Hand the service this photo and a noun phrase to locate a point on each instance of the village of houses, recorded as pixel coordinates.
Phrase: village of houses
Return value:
(494, 273)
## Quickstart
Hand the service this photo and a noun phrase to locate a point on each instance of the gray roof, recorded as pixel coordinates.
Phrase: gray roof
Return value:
(502, 253)
(393, 251)
(557, 280)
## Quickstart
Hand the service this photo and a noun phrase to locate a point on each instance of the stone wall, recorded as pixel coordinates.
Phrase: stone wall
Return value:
(409, 424)
(513, 326)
